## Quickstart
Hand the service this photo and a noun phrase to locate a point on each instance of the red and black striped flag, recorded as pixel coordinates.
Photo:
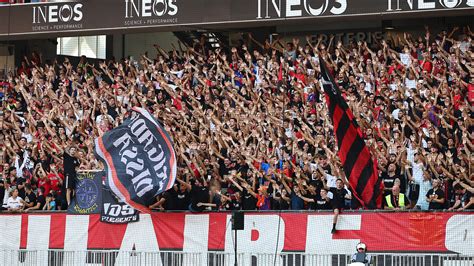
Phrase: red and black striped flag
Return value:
(356, 159)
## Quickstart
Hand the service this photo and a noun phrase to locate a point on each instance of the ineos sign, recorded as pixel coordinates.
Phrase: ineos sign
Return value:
(150, 8)
(57, 13)
(299, 8)
(394, 5)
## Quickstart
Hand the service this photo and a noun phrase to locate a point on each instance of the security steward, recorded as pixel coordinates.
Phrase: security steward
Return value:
(396, 200)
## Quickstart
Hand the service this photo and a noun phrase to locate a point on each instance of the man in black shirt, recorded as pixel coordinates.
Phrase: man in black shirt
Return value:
(70, 163)
(30, 197)
(176, 198)
(236, 202)
(317, 201)
(339, 196)
(200, 196)
(435, 196)
(40, 201)
(322, 201)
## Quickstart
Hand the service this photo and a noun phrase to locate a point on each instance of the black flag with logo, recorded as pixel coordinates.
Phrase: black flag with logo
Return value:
(355, 157)
(116, 212)
(139, 159)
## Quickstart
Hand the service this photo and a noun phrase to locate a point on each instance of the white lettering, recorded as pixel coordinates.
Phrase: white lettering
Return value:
(196, 235)
(142, 236)
(149, 8)
(146, 8)
(276, 7)
(423, 4)
(65, 9)
(57, 13)
(142, 183)
(156, 9)
(10, 239)
(53, 14)
(295, 8)
(123, 141)
(289, 11)
(315, 12)
(339, 10)
(75, 238)
(460, 234)
(38, 236)
(259, 9)
(78, 12)
(450, 3)
(263, 228)
(319, 239)
(173, 8)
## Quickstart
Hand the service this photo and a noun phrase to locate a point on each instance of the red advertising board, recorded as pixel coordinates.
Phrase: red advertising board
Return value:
(264, 232)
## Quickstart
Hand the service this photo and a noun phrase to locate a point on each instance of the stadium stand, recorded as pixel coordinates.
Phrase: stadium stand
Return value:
(250, 124)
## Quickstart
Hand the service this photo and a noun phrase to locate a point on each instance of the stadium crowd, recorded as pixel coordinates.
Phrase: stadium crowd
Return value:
(250, 126)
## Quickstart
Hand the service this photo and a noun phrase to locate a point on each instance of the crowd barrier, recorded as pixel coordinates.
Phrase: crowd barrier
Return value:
(306, 232)
(179, 258)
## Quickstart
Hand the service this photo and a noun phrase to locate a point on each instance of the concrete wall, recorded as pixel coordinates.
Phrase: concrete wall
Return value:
(7, 61)
(137, 44)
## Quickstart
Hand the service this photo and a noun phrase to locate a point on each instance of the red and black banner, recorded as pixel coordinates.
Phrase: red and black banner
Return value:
(139, 159)
(359, 167)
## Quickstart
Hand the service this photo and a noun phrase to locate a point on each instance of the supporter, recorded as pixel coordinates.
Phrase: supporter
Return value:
(435, 196)
(14, 203)
(70, 165)
(465, 199)
(396, 200)
(339, 195)
(50, 203)
(250, 123)
(30, 197)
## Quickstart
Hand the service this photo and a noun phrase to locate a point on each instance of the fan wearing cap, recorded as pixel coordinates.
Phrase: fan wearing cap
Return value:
(361, 257)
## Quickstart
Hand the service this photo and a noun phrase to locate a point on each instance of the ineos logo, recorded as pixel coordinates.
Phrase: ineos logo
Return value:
(57, 13)
(150, 8)
(298, 8)
(427, 4)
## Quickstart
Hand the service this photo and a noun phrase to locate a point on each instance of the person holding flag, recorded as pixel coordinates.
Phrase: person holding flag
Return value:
(359, 166)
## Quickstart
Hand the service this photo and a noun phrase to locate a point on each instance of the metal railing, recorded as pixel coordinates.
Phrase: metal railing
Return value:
(215, 258)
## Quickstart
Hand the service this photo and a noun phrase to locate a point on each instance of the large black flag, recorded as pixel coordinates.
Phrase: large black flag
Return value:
(356, 159)
(139, 159)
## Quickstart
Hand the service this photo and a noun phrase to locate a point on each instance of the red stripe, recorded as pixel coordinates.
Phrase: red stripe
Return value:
(24, 231)
(217, 228)
(169, 229)
(338, 112)
(117, 182)
(104, 235)
(347, 142)
(363, 159)
(58, 231)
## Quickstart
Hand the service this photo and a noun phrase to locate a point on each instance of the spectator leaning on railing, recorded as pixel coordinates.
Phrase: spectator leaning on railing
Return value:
(250, 126)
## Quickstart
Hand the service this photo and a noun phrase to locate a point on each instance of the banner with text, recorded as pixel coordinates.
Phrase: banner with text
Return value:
(263, 232)
(116, 212)
(85, 16)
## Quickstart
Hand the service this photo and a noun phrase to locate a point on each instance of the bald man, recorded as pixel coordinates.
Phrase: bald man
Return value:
(396, 200)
